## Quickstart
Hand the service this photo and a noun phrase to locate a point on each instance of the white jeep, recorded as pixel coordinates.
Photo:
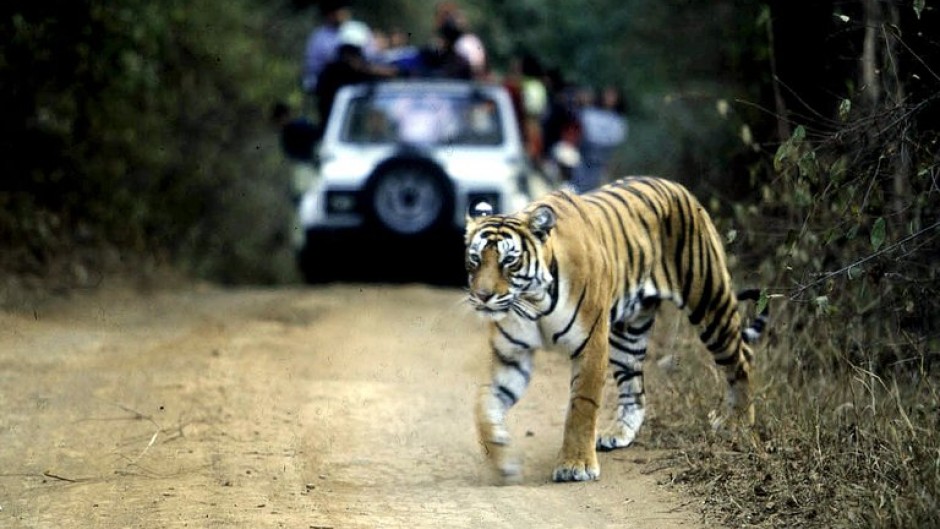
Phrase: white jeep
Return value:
(399, 165)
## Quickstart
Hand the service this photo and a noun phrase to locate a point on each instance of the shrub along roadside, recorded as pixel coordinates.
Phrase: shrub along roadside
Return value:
(832, 447)
(846, 235)
(141, 129)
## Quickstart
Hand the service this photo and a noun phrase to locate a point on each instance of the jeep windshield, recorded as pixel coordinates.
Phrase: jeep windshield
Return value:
(423, 117)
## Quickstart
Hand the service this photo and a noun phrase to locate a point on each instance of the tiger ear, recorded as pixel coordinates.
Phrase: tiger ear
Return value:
(541, 222)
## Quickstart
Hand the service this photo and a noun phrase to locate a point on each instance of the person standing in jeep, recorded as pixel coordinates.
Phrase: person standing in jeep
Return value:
(323, 42)
(350, 66)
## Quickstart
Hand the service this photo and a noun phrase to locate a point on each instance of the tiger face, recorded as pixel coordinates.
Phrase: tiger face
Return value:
(506, 260)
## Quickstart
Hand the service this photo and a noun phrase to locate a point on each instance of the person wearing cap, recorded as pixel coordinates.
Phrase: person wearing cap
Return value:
(324, 41)
(349, 67)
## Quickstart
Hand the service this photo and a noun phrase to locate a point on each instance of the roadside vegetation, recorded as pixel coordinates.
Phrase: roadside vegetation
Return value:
(843, 229)
(138, 135)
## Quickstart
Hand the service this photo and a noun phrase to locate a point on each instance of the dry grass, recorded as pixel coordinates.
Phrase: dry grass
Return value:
(835, 445)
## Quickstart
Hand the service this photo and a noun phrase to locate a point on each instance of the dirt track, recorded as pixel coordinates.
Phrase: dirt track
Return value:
(333, 407)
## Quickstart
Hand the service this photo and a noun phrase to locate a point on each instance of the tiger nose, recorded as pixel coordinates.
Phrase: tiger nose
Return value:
(483, 294)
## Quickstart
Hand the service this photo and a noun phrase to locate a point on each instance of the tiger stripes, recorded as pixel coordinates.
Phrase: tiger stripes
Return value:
(585, 274)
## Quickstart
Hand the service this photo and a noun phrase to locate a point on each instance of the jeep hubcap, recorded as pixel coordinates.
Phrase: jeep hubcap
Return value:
(408, 201)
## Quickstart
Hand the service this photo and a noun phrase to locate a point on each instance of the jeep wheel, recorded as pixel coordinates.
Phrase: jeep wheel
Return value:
(410, 198)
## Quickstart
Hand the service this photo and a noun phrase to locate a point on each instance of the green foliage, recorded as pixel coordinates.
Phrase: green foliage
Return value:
(762, 301)
(858, 234)
(877, 236)
(151, 123)
(851, 387)
(847, 230)
(673, 60)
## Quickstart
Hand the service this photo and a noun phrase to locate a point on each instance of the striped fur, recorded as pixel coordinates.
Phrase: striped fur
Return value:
(585, 274)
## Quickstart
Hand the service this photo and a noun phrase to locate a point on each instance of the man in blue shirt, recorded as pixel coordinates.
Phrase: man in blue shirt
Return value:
(603, 129)
(324, 41)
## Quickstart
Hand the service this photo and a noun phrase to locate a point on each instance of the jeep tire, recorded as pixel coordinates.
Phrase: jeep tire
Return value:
(409, 197)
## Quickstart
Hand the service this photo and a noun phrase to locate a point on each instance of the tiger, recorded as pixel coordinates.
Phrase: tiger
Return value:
(585, 274)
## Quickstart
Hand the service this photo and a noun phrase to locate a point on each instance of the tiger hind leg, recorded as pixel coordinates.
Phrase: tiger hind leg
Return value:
(628, 344)
(723, 338)
(739, 400)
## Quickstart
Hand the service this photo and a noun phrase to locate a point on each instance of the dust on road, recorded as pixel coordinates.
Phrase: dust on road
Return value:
(332, 407)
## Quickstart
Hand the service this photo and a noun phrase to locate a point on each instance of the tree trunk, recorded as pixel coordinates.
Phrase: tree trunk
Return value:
(871, 88)
(783, 121)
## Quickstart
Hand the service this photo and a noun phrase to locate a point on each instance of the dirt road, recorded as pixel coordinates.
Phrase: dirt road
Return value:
(333, 407)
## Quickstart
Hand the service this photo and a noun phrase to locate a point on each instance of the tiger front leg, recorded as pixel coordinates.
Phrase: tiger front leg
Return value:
(511, 373)
(578, 458)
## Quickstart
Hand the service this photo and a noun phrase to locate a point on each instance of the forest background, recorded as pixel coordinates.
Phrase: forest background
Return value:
(137, 135)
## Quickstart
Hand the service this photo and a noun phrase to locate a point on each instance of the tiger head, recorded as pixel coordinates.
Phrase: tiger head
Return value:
(508, 258)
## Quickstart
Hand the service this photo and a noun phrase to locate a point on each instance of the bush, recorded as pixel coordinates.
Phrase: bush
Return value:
(151, 124)
(845, 231)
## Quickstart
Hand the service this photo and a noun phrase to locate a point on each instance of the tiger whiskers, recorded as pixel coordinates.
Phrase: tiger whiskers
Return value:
(525, 308)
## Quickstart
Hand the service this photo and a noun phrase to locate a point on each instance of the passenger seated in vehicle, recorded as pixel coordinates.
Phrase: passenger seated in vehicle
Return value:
(480, 124)
(426, 120)
(370, 124)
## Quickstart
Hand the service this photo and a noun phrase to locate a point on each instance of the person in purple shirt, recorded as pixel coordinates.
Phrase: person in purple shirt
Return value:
(324, 41)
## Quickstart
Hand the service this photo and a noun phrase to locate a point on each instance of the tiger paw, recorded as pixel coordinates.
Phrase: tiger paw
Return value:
(727, 420)
(717, 420)
(510, 471)
(623, 431)
(497, 452)
(507, 468)
(576, 470)
(619, 437)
